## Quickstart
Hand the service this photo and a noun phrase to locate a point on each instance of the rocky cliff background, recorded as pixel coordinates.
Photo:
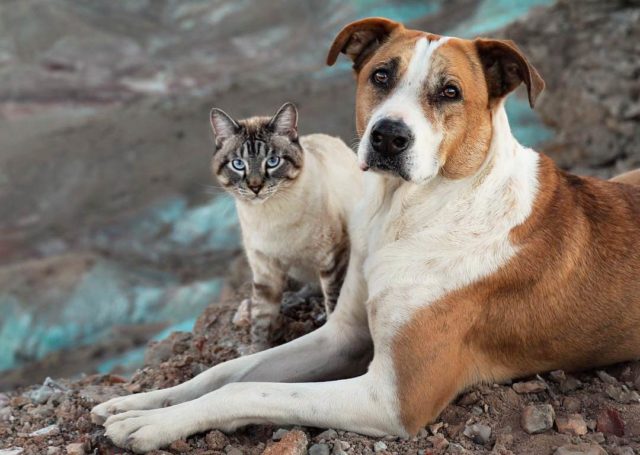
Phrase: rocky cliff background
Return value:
(112, 232)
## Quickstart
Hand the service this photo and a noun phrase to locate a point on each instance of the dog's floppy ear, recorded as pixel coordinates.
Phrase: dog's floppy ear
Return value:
(223, 125)
(505, 67)
(359, 39)
(285, 121)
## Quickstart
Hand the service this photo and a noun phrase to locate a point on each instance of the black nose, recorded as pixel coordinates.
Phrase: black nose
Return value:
(390, 136)
(255, 188)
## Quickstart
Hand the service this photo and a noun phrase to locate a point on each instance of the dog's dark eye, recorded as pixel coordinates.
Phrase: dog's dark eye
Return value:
(380, 77)
(450, 92)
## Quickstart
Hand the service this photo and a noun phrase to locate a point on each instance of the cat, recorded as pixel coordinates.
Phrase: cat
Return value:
(294, 196)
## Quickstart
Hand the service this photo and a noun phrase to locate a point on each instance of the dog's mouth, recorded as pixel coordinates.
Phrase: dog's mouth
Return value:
(394, 165)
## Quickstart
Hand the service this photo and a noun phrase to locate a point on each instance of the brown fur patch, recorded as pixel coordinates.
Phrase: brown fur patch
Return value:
(569, 299)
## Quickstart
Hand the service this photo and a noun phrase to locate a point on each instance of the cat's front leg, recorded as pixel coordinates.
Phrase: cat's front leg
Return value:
(269, 280)
(332, 274)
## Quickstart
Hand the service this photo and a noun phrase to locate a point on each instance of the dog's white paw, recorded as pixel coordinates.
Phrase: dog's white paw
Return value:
(143, 431)
(140, 401)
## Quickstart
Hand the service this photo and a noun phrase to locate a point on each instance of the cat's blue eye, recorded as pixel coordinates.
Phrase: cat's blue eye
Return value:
(273, 161)
(238, 164)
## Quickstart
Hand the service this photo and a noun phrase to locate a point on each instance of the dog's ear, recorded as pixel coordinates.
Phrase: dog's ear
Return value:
(359, 40)
(505, 67)
(223, 125)
(285, 121)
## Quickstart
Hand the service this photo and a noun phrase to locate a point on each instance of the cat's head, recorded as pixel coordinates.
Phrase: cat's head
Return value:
(256, 157)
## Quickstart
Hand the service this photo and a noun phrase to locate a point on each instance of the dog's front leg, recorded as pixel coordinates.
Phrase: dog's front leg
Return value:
(341, 348)
(366, 404)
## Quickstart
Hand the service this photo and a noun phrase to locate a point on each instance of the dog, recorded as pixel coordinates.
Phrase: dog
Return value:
(474, 259)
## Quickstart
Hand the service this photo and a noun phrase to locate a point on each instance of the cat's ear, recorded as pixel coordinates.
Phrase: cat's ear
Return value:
(223, 125)
(285, 122)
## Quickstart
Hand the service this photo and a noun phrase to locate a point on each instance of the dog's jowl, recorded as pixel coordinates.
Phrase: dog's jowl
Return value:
(473, 259)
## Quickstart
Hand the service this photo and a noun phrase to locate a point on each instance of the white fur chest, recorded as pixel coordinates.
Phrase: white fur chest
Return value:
(424, 241)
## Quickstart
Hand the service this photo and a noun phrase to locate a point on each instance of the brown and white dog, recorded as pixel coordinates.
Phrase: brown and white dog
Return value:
(475, 259)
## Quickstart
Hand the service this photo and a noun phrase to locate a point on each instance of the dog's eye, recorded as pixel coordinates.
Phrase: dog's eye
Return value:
(238, 164)
(450, 92)
(380, 77)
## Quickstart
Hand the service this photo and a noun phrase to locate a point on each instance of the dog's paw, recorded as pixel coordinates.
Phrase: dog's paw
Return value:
(143, 431)
(140, 401)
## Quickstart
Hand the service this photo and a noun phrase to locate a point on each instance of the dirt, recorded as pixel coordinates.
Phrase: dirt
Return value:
(595, 410)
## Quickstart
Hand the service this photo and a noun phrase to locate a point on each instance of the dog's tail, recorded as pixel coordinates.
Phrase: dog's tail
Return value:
(630, 177)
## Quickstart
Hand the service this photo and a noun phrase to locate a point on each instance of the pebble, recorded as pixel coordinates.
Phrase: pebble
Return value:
(4, 400)
(242, 318)
(570, 384)
(293, 443)
(11, 451)
(216, 440)
(51, 450)
(327, 435)
(622, 451)
(609, 421)
(338, 450)
(529, 387)
(478, 433)
(606, 377)
(51, 430)
(572, 404)
(439, 442)
(469, 399)
(230, 450)
(319, 449)
(180, 445)
(435, 428)
(458, 449)
(582, 449)
(622, 394)
(42, 394)
(379, 447)
(558, 376)
(76, 448)
(571, 424)
(537, 418)
(279, 434)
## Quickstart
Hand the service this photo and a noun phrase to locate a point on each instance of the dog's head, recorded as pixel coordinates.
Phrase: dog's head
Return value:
(424, 102)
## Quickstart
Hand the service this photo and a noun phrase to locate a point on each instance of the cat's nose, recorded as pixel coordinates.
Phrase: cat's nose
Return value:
(255, 188)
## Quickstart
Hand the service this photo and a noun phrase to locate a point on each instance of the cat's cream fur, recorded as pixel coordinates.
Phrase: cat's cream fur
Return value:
(302, 230)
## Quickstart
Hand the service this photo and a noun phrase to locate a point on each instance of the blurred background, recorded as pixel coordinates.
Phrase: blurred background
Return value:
(112, 230)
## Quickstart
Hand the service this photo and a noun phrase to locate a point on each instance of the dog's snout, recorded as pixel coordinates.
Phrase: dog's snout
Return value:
(390, 136)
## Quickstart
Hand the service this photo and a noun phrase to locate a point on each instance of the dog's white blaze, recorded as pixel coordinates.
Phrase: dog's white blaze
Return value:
(404, 104)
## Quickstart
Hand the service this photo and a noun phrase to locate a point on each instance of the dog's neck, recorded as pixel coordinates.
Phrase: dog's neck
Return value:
(499, 194)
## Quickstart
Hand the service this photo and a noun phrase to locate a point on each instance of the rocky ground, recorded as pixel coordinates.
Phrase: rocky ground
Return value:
(595, 412)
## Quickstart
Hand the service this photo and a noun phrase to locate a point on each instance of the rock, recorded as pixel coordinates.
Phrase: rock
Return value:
(606, 377)
(11, 451)
(581, 449)
(439, 442)
(478, 433)
(52, 450)
(42, 394)
(622, 394)
(537, 418)
(570, 384)
(293, 443)
(230, 450)
(572, 404)
(558, 376)
(469, 398)
(4, 400)
(51, 430)
(337, 450)
(609, 421)
(319, 449)
(457, 449)
(279, 434)
(76, 448)
(327, 435)
(622, 451)
(379, 447)
(435, 427)
(180, 445)
(571, 424)
(216, 440)
(242, 317)
(529, 386)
